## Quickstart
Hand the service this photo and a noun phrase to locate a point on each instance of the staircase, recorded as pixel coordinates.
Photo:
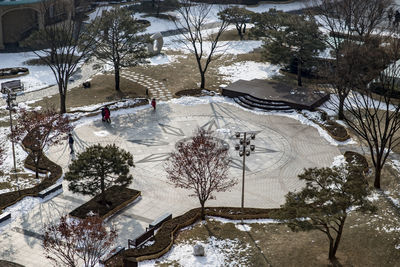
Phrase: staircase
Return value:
(251, 102)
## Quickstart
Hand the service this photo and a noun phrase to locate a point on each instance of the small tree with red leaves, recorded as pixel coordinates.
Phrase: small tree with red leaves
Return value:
(72, 240)
(201, 165)
(39, 129)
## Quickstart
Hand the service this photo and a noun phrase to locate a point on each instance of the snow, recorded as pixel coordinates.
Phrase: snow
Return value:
(249, 70)
(243, 227)
(101, 133)
(250, 221)
(163, 59)
(217, 253)
(21, 207)
(39, 76)
(338, 161)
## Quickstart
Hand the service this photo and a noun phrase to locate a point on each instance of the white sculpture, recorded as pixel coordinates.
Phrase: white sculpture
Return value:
(158, 41)
(198, 250)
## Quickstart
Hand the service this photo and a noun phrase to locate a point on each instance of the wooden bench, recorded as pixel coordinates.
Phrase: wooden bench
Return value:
(160, 220)
(149, 231)
(141, 239)
(5, 216)
(49, 190)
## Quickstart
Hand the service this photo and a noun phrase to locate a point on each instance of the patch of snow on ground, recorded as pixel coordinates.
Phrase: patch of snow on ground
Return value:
(39, 76)
(163, 59)
(260, 221)
(23, 206)
(101, 133)
(373, 197)
(243, 227)
(338, 160)
(249, 70)
(217, 253)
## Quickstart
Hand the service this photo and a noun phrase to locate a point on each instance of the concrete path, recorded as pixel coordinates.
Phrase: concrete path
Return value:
(284, 147)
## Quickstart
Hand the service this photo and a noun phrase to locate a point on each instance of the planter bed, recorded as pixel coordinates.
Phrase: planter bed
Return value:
(118, 198)
(164, 238)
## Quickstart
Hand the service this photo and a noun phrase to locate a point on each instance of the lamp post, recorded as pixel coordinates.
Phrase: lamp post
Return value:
(243, 152)
(10, 91)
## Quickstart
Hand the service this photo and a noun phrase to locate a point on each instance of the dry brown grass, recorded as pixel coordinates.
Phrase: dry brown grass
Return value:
(102, 90)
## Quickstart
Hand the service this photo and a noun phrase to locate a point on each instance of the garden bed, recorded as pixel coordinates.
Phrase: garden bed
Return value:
(118, 197)
(164, 238)
(45, 166)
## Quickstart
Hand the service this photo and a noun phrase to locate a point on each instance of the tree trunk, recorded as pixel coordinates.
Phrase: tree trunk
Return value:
(239, 30)
(332, 257)
(203, 215)
(341, 108)
(37, 168)
(103, 193)
(337, 241)
(116, 76)
(377, 181)
(63, 107)
(299, 73)
(203, 79)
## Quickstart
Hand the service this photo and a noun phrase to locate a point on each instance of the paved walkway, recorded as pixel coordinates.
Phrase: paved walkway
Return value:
(156, 88)
(284, 147)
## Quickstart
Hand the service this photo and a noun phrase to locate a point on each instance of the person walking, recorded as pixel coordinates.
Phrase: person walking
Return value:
(107, 114)
(153, 103)
(71, 143)
(103, 113)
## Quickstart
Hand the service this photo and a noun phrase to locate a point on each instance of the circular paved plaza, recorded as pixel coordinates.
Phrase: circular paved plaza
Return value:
(284, 147)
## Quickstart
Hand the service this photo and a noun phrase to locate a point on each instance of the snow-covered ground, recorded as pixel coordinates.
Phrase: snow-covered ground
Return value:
(38, 77)
(249, 70)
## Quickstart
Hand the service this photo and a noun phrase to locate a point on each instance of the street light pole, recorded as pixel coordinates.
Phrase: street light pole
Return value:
(243, 152)
(10, 90)
(244, 170)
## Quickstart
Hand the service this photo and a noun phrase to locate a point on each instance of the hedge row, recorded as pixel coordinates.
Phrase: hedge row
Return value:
(164, 238)
(45, 166)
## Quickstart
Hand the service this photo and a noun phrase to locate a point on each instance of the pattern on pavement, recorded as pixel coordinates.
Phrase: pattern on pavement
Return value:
(156, 88)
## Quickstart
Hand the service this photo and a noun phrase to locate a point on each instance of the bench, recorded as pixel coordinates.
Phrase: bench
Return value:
(49, 190)
(149, 231)
(5, 216)
(141, 239)
(14, 85)
(160, 220)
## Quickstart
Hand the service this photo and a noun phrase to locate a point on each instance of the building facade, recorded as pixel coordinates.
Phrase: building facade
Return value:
(19, 18)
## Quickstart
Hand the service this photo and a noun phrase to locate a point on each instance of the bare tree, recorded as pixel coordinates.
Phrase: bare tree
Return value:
(41, 128)
(204, 46)
(348, 21)
(71, 240)
(118, 40)
(58, 45)
(375, 117)
(201, 165)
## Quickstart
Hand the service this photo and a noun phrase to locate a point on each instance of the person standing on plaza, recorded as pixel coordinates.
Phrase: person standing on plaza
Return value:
(107, 114)
(71, 143)
(153, 103)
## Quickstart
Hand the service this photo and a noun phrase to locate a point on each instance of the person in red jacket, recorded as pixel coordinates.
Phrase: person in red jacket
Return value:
(153, 103)
(107, 114)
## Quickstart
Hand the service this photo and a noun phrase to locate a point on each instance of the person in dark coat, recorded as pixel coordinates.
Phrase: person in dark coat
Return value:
(153, 103)
(103, 113)
(71, 143)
